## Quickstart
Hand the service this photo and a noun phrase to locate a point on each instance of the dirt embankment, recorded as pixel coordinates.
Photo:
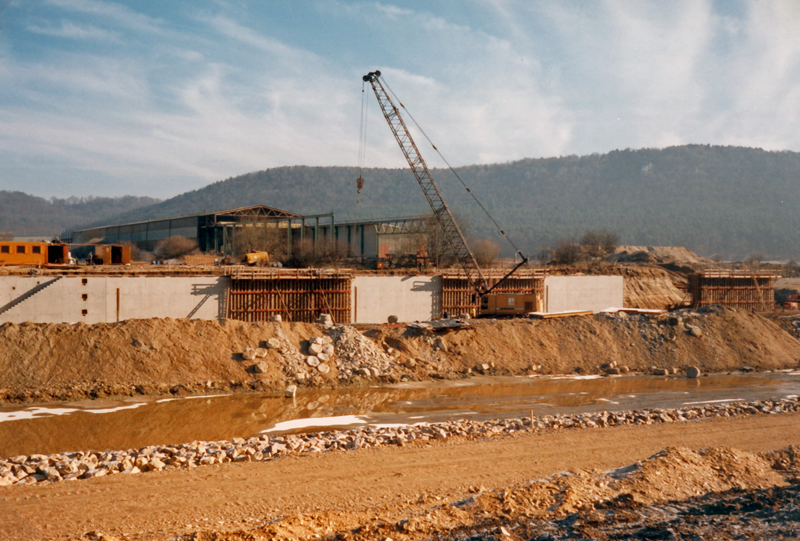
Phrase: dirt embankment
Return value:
(44, 362)
(652, 287)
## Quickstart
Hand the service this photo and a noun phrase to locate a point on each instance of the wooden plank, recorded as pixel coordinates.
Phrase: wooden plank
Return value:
(555, 315)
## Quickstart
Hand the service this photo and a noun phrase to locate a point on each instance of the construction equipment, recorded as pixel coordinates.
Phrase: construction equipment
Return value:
(490, 303)
(256, 259)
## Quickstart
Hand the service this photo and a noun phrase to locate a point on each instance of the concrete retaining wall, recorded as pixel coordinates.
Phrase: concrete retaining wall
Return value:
(410, 298)
(99, 299)
(95, 299)
(595, 293)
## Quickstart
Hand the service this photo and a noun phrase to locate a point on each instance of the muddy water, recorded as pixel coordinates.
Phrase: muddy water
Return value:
(134, 423)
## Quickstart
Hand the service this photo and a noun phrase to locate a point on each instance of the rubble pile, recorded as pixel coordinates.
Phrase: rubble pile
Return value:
(90, 464)
(795, 325)
(308, 368)
(358, 355)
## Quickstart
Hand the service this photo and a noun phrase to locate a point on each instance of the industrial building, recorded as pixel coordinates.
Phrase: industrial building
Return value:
(223, 232)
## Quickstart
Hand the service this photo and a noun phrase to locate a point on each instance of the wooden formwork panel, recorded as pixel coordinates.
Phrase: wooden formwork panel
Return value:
(295, 296)
(458, 296)
(754, 292)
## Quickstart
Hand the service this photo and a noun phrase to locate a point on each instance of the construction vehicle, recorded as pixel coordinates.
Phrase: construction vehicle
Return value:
(256, 259)
(490, 304)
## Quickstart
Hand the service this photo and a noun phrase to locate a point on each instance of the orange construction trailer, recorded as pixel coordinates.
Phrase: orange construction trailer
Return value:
(33, 253)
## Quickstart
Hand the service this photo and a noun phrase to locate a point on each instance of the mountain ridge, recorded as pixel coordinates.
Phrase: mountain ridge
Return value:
(710, 199)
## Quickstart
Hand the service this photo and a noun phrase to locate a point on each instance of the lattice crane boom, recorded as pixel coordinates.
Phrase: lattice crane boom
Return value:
(453, 236)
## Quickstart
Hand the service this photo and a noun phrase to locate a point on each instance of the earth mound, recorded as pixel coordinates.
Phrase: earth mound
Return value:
(42, 362)
(659, 255)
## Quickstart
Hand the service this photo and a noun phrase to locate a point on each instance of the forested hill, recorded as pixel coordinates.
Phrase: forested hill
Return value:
(711, 199)
(26, 215)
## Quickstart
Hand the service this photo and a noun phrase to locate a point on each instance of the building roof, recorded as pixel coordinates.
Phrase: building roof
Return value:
(253, 211)
(256, 210)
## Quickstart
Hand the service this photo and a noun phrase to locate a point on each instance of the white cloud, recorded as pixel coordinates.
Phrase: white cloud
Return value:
(215, 96)
(121, 15)
(68, 29)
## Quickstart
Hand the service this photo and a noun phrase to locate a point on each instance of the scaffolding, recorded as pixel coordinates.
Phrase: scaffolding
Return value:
(459, 296)
(751, 291)
(296, 295)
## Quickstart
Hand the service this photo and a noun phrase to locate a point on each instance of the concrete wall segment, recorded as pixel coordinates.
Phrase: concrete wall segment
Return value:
(595, 293)
(93, 299)
(410, 298)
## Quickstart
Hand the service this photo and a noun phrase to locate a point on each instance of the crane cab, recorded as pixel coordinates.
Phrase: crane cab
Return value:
(509, 304)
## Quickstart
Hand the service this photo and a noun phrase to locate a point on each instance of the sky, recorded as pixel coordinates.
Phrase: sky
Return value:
(155, 98)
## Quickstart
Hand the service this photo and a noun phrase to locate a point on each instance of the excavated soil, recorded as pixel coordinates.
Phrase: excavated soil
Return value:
(45, 362)
(651, 287)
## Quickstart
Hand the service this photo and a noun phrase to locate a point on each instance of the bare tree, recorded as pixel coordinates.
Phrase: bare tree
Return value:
(137, 254)
(175, 247)
(332, 251)
(544, 254)
(566, 252)
(755, 259)
(436, 241)
(258, 236)
(599, 244)
(486, 251)
(6, 235)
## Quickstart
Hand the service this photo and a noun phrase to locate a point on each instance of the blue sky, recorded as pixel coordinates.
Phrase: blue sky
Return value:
(156, 98)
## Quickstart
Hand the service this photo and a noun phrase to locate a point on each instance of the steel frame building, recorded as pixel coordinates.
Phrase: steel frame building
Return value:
(215, 232)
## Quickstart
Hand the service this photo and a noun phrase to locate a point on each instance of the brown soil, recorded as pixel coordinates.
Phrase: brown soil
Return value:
(43, 362)
(666, 254)
(418, 491)
(652, 287)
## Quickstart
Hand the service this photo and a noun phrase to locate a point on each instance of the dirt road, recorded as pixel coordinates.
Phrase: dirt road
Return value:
(337, 491)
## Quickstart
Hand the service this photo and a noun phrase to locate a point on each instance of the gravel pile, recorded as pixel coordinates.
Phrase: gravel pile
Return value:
(90, 464)
(358, 355)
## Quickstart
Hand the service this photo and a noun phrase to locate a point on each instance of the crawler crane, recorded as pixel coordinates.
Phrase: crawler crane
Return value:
(491, 304)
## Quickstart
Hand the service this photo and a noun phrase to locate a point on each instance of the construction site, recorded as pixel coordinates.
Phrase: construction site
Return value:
(295, 377)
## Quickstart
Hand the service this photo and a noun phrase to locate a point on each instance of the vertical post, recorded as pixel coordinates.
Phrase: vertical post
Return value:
(316, 234)
(117, 305)
(288, 242)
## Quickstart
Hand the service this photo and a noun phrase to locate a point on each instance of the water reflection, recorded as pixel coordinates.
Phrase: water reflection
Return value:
(134, 423)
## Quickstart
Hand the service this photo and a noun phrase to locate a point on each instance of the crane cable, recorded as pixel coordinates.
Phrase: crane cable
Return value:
(362, 145)
(453, 170)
